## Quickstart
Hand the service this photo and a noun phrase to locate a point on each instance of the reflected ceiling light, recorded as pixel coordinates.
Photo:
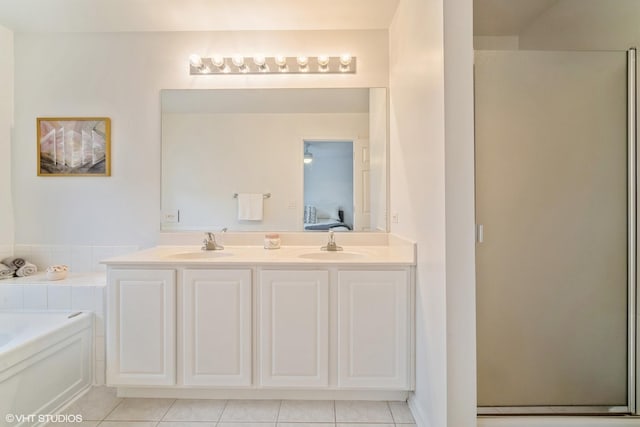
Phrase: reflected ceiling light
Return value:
(308, 157)
(260, 64)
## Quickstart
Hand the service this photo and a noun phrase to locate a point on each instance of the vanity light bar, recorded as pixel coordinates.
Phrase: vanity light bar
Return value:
(238, 64)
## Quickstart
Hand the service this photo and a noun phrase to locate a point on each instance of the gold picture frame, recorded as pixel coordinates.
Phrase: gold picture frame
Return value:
(74, 146)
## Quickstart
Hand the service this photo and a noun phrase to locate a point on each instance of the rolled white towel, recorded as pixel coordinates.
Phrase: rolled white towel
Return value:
(5, 271)
(27, 270)
(14, 262)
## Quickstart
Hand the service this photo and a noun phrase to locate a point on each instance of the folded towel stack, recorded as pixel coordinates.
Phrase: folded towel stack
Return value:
(5, 272)
(16, 266)
(26, 270)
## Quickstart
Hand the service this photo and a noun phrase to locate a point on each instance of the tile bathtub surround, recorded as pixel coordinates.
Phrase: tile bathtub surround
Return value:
(6, 251)
(78, 292)
(101, 406)
(79, 258)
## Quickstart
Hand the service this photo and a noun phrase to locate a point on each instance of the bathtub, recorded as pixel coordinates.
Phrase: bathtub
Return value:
(45, 361)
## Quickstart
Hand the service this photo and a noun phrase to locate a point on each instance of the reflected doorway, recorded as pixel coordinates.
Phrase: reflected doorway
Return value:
(334, 186)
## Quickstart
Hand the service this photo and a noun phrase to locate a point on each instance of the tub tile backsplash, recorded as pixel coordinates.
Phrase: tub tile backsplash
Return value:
(59, 297)
(11, 297)
(79, 258)
(82, 298)
(35, 297)
(6, 251)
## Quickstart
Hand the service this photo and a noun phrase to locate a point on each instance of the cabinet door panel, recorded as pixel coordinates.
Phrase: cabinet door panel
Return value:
(141, 333)
(217, 327)
(373, 325)
(294, 328)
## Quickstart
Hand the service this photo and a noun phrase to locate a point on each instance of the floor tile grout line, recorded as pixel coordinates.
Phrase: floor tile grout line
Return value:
(111, 411)
(166, 411)
(169, 409)
(393, 419)
(278, 414)
(224, 408)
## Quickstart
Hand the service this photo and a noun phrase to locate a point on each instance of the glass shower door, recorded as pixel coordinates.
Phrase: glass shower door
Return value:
(553, 196)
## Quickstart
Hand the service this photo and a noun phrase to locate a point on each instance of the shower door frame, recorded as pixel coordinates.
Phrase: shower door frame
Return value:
(633, 297)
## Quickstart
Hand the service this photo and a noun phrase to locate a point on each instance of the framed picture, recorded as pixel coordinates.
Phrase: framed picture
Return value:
(74, 146)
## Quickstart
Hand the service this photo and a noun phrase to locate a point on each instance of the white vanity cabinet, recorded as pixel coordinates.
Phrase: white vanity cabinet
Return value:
(215, 327)
(294, 328)
(250, 323)
(374, 321)
(141, 327)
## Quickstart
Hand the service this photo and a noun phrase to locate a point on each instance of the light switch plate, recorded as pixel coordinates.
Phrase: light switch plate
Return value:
(171, 216)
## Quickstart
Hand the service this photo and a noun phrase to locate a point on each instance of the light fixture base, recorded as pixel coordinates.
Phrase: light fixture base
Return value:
(291, 66)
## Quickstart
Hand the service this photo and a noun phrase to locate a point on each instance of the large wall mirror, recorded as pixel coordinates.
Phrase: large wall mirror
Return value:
(275, 159)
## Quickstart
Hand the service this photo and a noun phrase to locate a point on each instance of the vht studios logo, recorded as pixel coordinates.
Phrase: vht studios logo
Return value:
(43, 418)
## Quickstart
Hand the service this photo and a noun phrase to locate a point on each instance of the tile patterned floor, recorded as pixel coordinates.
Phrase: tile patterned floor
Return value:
(101, 408)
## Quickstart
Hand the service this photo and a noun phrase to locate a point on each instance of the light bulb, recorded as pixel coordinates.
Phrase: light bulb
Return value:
(280, 61)
(218, 61)
(302, 61)
(238, 61)
(195, 60)
(323, 60)
(260, 61)
(345, 59)
(308, 157)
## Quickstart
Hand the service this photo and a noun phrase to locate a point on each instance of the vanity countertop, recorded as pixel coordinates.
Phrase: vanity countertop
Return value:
(398, 255)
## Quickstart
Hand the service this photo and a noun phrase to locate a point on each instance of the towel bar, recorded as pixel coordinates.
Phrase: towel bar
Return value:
(264, 195)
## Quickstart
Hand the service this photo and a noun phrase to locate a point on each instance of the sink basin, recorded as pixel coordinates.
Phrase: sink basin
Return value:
(330, 255)
(201, 255)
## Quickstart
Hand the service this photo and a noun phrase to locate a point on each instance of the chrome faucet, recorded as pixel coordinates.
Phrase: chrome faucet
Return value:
(210, 243)
(331, 244)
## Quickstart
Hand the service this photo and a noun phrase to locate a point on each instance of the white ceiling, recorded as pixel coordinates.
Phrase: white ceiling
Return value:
(506, 17)
(490, 17)
(194, 15)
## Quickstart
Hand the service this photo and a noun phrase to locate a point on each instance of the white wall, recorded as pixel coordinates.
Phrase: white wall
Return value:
(416, 81)
(120, 75)
(6, 128)
(244, 153)
(460, 206)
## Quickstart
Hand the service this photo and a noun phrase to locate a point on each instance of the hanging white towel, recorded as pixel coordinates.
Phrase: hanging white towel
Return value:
(250, 206)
